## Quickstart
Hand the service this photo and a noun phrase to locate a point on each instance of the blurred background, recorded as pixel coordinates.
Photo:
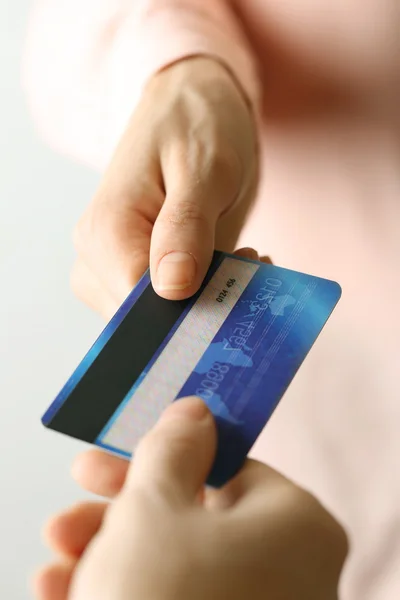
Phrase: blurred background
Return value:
(45, 330)
(349, 235)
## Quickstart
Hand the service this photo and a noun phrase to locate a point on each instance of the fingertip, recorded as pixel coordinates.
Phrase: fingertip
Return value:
(56, 532)
(53, 529)
(191, 408)
(70, 532)
(50, 531)
(249, 253)
(99, 472)
(177, 275)
(37, 583)
(266, 260)
(252, 254)
(177, 455)
(175, 272)
(81, 465)
(52, 581)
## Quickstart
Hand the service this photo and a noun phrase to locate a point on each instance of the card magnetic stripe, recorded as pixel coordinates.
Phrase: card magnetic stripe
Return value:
(110, 368)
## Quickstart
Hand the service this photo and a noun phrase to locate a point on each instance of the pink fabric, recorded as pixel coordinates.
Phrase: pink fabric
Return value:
(325, 77)
(86, 63)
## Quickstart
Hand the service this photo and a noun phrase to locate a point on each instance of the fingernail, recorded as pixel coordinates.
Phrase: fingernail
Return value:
(193, 409)
(176, 271)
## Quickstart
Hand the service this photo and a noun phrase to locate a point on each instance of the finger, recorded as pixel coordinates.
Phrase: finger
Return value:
(113, 237)
(267, 260)
(253, 255)
(53, 581)
(248, 485)
(71, 531)
(200, 186)
(89, 289)
(114, 241)
(258, 488)
(181, 248)
(247, 253)
(174, 459)
(100, 473)
(268, 504)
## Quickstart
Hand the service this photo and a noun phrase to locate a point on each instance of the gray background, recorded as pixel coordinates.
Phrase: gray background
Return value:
(44, 329)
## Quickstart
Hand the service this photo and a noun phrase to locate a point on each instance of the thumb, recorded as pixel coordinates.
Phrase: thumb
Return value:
(183, 237)
(175, 458)
(182, 246)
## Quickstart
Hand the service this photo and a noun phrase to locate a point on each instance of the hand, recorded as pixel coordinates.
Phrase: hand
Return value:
(260, 537)
(180, 184)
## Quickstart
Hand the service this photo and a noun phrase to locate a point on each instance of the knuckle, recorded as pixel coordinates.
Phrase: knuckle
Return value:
(98, 221)
(336, 537)
(216, 172)
(112, 219)
(219, 162)
(184, 213)
(341, 544)
(226, 163)
(310, 508)
(228, 172)
(320, 521)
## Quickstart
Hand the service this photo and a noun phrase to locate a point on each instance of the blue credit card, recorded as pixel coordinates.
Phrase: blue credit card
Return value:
(237, 344)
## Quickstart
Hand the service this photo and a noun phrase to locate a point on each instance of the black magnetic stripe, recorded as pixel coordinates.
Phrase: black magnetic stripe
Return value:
(110, 377)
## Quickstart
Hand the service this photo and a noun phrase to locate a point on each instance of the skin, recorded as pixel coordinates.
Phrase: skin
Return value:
(260, 536)
(186, 192)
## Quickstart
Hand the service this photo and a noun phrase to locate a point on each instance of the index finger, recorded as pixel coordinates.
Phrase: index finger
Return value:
(100, 473)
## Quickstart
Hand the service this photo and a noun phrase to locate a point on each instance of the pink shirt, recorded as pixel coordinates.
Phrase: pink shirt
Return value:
(324, 78)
